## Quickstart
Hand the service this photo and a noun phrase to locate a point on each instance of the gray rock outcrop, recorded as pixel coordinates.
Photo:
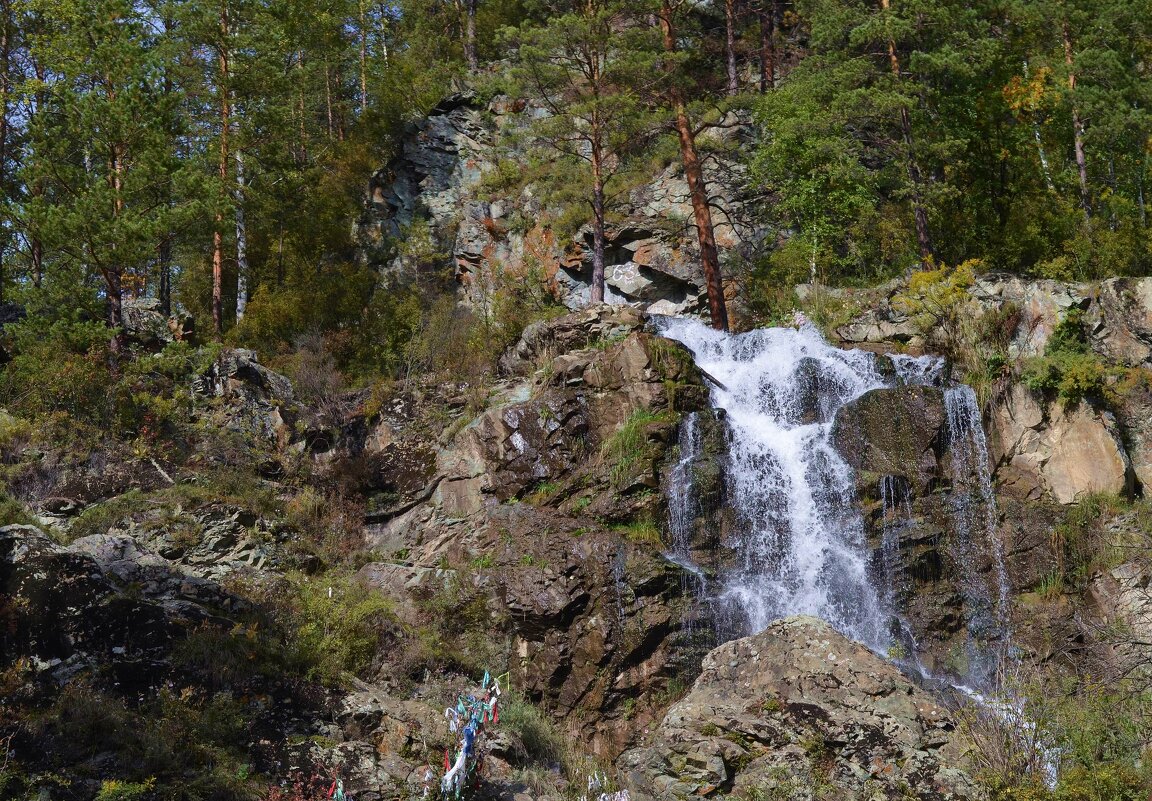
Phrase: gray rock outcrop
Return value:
(450, 175)
(798, 712)
(1065, 451)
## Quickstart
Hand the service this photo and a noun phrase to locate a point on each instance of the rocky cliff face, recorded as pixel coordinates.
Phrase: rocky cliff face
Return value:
(525, 529)
(450, 174)
(1048, 455)
(1042, 447)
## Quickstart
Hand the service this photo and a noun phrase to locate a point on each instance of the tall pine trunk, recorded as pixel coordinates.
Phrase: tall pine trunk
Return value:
(730, 45)
(241, 241)
(919, 213)
(597, 224)
(5, 92)
(164, 258)
(218, 226)
(470, 36)
(363, 60)
(1077, 124)
(767, 14)
(697, 189)
(112, 273)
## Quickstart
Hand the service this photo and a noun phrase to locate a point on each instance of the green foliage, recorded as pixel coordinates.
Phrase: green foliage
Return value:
(116, 790)
(1068, 368)
(1095, 731)
(641, 532)
(12, 512)
(99, 517)
(544, 744)
(936, 298)
(961, 113)
(186, 746)
(458, 631)
(1078, 541)
(333, 624)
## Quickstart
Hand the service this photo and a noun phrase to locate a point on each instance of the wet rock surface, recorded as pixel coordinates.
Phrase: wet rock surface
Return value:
(894, 432)
(558, 531)
(795, 709)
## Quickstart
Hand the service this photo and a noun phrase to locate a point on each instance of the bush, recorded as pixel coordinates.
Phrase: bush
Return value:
(60, 367)
(543, 744)
(116, 790)
(1068, 368)
(1093, 734)
(330, 624)
(936, 298)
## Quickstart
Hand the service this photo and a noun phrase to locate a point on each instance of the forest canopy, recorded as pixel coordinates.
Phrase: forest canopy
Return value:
(214, 156)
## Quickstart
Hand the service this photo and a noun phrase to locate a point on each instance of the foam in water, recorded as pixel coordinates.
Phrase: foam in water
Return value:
(681, 502)
(802, 548)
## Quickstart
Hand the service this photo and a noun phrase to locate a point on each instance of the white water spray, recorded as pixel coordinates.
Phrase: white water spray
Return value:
(802, 548)
(801, 543)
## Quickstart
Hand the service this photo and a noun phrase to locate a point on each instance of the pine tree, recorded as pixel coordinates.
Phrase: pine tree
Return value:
(97, 151)
(586, 69)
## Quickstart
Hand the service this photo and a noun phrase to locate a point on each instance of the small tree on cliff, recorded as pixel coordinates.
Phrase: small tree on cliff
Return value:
(586, 69)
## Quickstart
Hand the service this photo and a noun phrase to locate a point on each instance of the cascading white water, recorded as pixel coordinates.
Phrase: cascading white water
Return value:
(802, 547)
(801, 543)
(682, 504)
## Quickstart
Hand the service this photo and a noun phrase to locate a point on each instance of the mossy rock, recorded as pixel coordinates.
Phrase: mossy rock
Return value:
(893, 432)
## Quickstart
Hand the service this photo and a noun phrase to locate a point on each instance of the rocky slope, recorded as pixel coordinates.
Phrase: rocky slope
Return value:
(465, 172)
(526, 531)
(1051, 457)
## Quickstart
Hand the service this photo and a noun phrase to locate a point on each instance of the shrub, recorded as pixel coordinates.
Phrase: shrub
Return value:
(13, 512)
(62, 367)
(99, 517)
(1068, 368)
(330, 624)
(936, 297)
(116, 790)
(15, 434)
(1093, 734)
(543, 744)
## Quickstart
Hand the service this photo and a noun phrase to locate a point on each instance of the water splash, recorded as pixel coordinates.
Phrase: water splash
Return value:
(924, 371)
(801, 544)
(681, 497)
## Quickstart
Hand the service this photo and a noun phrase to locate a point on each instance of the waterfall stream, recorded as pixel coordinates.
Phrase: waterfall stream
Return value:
(799, 539)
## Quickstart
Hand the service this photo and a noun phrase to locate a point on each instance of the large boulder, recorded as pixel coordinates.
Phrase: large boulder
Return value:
(794, 708)
(1120, 320)
(146, 324)
(258, 402)
(63, 613)
(1063, 451)
(893, 432)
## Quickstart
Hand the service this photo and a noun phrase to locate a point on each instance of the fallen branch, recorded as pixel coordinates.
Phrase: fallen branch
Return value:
(160, 470)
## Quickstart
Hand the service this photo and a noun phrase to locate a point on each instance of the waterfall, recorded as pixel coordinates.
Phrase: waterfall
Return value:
(974, 517)
(800, 540)
(682, 503)
(800, 543)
